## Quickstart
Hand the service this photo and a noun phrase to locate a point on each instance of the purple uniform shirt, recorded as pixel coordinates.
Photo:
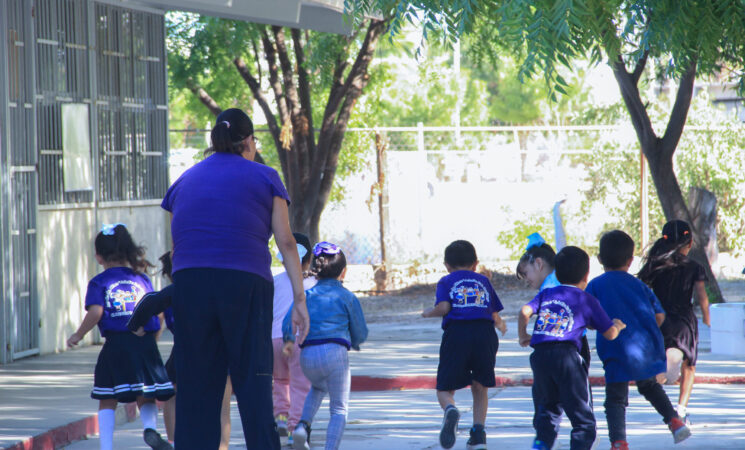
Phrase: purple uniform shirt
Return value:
(222, 214)
(118, 290)
(563, 314)
(471, 297)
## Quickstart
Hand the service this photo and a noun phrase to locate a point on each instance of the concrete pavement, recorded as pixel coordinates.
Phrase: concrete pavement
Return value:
(47, 393)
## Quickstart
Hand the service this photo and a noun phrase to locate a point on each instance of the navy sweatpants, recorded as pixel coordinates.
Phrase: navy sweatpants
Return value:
(617, 399)
(223, 320)
(560, 384)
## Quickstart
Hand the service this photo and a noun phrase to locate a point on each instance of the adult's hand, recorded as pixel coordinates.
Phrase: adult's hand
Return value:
(300, 319)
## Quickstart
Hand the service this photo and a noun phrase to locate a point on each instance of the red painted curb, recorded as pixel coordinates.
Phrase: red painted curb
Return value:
(368, 383)
(69, 433)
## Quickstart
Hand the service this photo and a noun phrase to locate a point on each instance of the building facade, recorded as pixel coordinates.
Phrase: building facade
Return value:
(83, 142)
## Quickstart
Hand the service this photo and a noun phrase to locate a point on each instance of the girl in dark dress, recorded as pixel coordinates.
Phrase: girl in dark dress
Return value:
(675, 278)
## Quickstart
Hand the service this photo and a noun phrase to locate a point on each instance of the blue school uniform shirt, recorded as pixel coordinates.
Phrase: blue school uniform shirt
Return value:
(550, 281)
(563, 314)
(118, 290)
(470, 294)
(222, 214)
(638, 352)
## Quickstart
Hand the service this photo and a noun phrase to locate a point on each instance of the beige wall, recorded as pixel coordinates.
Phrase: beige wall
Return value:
(66, 262)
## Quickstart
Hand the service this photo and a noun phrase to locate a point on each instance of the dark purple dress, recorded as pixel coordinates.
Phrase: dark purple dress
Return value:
(674, 288)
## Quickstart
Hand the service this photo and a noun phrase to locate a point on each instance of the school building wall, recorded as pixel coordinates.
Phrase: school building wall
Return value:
(83, 142)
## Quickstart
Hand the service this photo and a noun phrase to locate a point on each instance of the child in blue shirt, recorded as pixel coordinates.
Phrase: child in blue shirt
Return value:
(337, 324)
(470, 309)
(639, 354)
(559, 379)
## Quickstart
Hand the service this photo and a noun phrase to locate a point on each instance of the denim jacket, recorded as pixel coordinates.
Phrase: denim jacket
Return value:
(335, 313)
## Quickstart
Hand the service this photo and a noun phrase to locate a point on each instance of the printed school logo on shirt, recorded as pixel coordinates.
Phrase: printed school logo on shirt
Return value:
(467, 293)
(122, 296)
(555, 318)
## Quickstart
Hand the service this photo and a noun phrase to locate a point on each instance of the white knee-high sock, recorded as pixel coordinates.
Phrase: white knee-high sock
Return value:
(106, 421)
(149, 415)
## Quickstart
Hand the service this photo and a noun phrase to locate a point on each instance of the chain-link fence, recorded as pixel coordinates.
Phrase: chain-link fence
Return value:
(423, 187)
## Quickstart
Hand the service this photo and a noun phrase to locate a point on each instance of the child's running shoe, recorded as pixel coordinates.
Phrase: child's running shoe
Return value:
(620, 445)
(281, 425)
(449, 426)
(477, 441)
(539, 445)
(680, 431)
(290, 440)
(155, 440)
(301, 436)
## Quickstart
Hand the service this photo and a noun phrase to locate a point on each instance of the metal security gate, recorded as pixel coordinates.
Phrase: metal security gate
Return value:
(20, 199)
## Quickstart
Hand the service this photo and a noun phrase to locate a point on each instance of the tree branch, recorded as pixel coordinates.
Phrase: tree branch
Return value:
(271, 120)
(303, 82)
(635, 106)
(203, 96)
(678, 116)
(271, 59)
(639, 69)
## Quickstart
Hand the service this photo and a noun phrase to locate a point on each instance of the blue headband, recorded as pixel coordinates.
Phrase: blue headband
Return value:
(535, 240)
(108, 228)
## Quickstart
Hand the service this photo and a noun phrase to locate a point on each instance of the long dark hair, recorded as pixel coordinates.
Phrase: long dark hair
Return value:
(166, 266)
(231, 128)
(115, 244)
(543, 251)
(665, 252)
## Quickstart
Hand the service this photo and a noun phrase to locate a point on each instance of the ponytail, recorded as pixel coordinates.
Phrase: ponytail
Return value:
(114, 244)
(232, 128)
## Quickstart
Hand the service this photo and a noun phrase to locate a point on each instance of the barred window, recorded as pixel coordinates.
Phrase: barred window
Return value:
(128, 109)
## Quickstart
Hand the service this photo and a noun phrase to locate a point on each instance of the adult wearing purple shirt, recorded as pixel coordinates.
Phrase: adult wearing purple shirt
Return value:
(223, 211)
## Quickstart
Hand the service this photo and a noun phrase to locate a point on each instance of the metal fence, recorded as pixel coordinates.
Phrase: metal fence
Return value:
(128, 107)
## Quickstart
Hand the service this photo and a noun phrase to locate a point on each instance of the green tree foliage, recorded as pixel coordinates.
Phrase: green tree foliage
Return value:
(686, 39)
(304, 83)
(710, 155)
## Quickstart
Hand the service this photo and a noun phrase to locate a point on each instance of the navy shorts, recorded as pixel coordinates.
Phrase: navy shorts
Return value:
(468, 352)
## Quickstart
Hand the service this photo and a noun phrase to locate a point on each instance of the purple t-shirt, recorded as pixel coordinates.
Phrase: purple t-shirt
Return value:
(222, 214)
(470, 294)
(563, 314)
(118, 290)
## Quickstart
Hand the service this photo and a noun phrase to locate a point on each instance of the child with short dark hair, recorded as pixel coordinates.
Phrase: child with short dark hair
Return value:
(559, 379)
(129, 367)
(638, 355)
(674, 278)
(337, 324)
(470, 310)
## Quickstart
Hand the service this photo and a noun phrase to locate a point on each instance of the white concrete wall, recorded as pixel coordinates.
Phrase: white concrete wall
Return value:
(66, 262)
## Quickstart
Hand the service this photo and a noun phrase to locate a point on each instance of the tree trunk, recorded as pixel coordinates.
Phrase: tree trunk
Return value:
(660, 151)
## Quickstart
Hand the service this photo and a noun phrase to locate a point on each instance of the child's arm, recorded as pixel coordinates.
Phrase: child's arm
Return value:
(499, 322)
(703, 301)
(357, 325)
(89, 321)
(659, 317)
(612, 332)
(522, 325)
(439, 310)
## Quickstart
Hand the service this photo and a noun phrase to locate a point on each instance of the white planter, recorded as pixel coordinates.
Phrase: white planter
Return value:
(728, 328)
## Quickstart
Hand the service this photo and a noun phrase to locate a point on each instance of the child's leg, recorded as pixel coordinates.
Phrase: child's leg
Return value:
(616, 401)
(480, 402)
(169, 417)
(148, 412)
(299, 388)
(674, 359)
(446, 398)
(575, 399)
(315, 369)
(656, 395)
(106, 422)
(339, 383)
(225, 416)
(281, 376)
(687, 376)
(547, 415)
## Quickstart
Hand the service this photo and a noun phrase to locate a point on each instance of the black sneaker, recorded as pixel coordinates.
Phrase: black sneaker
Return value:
(155, 440)
(449, 427)
(477, 441)
(301, 436)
